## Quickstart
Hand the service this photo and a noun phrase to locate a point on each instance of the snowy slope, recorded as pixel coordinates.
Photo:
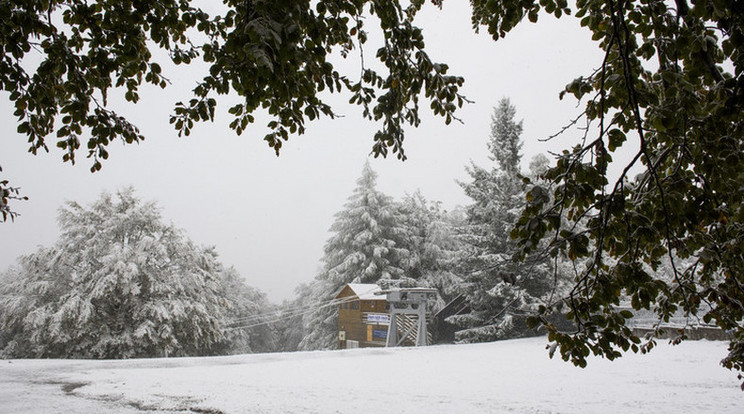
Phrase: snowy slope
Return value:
(502, 377)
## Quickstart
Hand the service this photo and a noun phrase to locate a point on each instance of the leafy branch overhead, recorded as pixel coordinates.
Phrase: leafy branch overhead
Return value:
(274, 54)
(8, 193)
(663, 94)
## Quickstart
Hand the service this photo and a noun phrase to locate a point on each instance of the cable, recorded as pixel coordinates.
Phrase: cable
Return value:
(286, 312)
(298, 312)
(295, 312)
(299, 309)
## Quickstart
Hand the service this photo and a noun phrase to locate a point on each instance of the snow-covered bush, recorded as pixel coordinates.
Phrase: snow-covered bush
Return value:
(119, 283)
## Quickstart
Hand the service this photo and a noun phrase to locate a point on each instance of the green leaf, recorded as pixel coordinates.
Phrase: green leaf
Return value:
(616, 138)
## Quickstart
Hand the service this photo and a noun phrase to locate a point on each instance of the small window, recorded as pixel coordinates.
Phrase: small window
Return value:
(355, 305)
(371, 304)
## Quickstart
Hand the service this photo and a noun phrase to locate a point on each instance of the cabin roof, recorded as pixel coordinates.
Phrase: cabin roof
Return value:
(364, 291)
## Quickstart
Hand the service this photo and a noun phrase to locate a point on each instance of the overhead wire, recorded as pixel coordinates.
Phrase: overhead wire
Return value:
(253, 321)
(279, 315)
(285, 310)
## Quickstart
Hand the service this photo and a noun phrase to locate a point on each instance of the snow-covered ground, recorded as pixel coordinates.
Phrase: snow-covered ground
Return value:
(502, 377)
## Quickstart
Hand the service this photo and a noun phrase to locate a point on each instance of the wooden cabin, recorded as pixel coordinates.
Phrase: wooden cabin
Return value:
(363, 319)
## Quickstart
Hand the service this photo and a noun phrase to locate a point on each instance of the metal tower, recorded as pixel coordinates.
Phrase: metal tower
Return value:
(404, 302)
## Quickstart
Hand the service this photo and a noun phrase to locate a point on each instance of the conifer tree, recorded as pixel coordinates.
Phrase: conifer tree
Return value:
(365, 247)
(500, 291)
(430, 237)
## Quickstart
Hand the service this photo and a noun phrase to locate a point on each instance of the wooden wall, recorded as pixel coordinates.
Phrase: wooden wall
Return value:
(351, 319)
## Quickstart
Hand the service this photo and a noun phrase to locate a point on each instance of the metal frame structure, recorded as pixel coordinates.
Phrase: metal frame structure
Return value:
(408, 301)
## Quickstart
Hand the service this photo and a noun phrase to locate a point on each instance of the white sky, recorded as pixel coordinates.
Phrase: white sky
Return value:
(269, 216)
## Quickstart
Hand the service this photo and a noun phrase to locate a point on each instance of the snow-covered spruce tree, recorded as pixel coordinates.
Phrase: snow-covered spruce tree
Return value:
(320, 323)
(430, 237)
(365, 247)
(118, 284)
(500, 291)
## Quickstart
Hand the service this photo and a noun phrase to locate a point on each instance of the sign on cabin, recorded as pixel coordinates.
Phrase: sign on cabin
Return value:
(361, 316)
(381, 318)
(366, 318)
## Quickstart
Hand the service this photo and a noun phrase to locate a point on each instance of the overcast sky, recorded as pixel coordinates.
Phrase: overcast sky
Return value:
(269, 216)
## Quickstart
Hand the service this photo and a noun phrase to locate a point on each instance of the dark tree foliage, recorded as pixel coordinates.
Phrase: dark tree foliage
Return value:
(272, 53)
(665, 84)
(8, 193)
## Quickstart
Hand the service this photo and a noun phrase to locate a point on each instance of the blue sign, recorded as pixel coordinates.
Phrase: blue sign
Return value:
(379, 333)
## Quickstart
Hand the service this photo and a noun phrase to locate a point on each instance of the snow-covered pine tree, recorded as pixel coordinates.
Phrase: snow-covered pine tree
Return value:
(118, 284)
(320, 323)
(500, 291)
(365, 247)
(430, 237)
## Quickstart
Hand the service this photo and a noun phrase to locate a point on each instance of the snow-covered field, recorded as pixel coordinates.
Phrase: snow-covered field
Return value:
(502, 377)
